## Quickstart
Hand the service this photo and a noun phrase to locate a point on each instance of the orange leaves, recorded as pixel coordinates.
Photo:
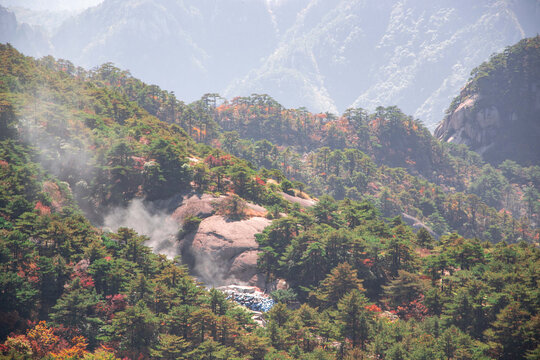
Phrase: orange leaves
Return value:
(373, 308)
(42, 209)
(42, 338)
(42, 342)
(367, 262)
(410, 162)
(30, 272)
(19, 344)
(260, 181)
(78, 349)
(374, 124)
(143, 140)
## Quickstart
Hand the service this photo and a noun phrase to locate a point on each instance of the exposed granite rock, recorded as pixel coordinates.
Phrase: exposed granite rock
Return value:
(497, 113)
(298, 200)
(417, 224)
(223, 252)
(199, 205)
(474, 126)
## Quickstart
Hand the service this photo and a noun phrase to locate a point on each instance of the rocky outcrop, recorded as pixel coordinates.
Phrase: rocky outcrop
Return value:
(417, 224)
(221, 251)
(472, 125)
(28, 39)
(298, 200)
(199, 205)
(497, 113)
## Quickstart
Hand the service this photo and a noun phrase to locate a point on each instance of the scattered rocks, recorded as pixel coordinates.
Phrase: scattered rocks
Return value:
(417, 224)
(298, 200)
(250, 297)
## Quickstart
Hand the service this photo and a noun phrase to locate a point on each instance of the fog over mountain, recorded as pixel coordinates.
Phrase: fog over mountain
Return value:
(324, 55)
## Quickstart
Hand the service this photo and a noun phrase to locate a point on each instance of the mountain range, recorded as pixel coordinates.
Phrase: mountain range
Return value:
(324, 55)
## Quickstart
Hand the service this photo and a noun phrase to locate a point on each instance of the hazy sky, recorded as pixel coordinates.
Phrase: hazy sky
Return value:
(52, 5)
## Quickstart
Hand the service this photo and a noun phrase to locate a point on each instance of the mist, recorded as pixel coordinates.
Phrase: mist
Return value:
(67, 158)
(146, 220)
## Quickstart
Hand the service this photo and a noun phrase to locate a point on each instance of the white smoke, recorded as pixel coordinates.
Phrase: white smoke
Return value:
(145, 220)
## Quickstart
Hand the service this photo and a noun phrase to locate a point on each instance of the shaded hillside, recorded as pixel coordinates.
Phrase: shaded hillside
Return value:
(29, 39)
(497, 113)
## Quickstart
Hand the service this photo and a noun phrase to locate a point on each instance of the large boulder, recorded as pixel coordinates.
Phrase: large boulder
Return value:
(220, 251)
(223, 252)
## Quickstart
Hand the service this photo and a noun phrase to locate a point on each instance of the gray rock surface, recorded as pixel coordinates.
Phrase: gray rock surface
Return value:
(474, 126)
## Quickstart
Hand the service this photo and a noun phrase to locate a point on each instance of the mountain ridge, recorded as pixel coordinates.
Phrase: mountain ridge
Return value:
(322, 55)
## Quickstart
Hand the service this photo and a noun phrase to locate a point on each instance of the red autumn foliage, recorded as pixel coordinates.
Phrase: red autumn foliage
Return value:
(415, 309)
(367, 262)
(213, 161)
(259, 181)
(139, 162)
(373, 308)
(30, 272)
(117, 302)
(43, 209)
(80, 271)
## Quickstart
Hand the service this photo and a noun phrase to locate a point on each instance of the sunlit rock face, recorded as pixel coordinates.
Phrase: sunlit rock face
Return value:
(474, 126)
(225, 252)
(221, 251)
(324, 55)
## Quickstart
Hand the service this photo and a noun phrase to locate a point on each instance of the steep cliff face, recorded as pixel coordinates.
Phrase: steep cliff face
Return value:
(497, 113)
(28, 39)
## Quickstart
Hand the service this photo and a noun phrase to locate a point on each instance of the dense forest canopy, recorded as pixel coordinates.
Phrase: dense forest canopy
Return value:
(368, 154)
(75, 144)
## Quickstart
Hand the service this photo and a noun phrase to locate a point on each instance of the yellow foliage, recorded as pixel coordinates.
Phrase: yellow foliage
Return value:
(43, 335)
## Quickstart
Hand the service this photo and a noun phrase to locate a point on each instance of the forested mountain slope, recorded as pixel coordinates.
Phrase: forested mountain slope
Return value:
(326, 55)
(497, 113)
(363, 285)
(386, 157)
